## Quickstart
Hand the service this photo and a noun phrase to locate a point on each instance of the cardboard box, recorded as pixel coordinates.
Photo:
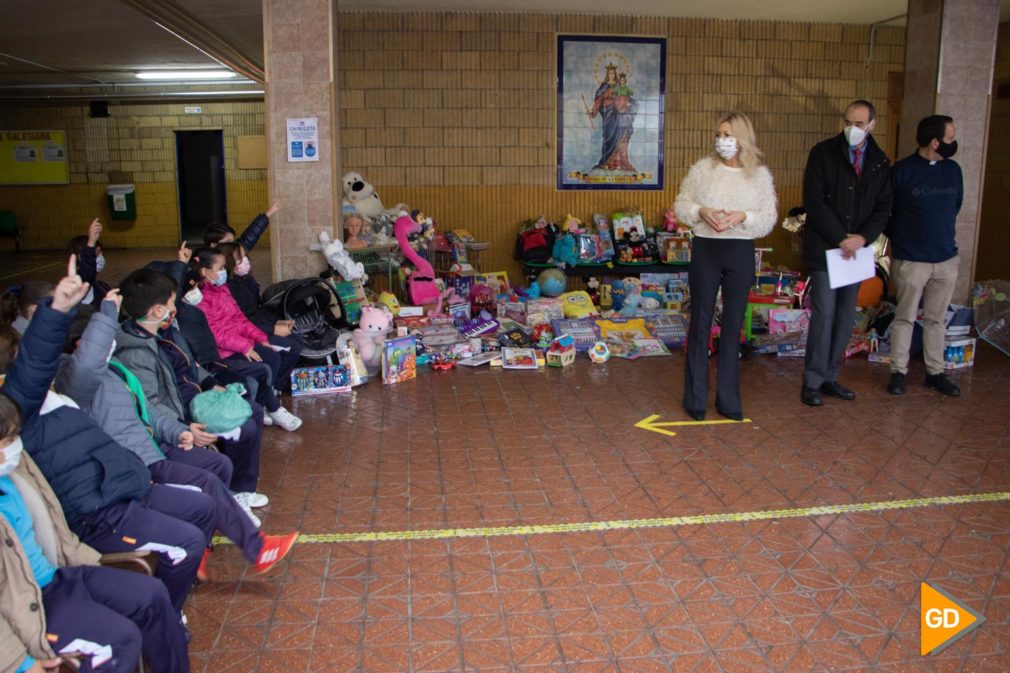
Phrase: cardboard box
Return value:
(959, 353)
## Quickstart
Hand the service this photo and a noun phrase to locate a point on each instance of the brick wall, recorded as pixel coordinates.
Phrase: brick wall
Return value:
(135, 144)
(992, 260)
(456, 113)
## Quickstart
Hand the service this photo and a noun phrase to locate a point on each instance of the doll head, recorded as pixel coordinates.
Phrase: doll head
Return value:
(353, 225)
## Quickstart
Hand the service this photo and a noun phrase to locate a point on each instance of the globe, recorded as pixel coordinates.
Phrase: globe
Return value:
(552, 282)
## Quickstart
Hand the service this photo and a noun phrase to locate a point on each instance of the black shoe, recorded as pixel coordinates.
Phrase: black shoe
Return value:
(810, 397)
(835, 389)
(695, 414)
(940, 383)
(733, 416)
(896, 386)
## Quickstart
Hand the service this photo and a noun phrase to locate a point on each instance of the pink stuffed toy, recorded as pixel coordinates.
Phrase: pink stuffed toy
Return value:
(375, 324)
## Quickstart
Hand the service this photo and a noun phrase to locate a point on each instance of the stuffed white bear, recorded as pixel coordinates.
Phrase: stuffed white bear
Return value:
(362, 197)
(340, 260)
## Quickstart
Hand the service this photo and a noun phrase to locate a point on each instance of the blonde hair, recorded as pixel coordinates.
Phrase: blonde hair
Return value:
(750, 155)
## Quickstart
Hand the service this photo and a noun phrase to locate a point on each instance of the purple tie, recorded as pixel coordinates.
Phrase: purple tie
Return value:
(856, 154)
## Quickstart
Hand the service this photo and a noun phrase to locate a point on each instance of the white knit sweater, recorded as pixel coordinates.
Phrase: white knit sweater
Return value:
(712, 184)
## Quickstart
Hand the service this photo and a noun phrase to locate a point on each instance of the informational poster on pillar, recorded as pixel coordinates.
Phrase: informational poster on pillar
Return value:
(303, 139)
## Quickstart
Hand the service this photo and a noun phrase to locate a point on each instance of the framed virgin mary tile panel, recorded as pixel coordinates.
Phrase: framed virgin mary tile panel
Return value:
(611, 102)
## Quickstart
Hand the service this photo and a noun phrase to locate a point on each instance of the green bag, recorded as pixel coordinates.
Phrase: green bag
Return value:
(221, 410)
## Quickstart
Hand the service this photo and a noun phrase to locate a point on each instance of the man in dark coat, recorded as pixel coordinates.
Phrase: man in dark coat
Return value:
(848, 193)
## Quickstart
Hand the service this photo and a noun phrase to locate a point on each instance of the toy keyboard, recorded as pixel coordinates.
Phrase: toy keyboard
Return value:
(478, 326)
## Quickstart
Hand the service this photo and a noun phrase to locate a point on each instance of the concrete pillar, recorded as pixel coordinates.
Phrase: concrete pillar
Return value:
(300, 53)
(950, 54)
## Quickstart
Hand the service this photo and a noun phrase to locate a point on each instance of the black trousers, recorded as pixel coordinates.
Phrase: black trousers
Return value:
(729, 264)
(832, 313)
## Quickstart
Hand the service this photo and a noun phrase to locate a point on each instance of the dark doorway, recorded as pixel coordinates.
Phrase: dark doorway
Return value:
(200, 163)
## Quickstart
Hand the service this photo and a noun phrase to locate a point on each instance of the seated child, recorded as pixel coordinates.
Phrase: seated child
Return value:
(113, 396)
(105, 491)
(149, 345)
(107, 614)
(255, 376)
(17, 305)
(90, 262)
(236, 337)
(281, 332)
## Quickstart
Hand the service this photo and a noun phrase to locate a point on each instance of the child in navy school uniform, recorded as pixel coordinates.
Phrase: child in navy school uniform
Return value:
(58, 599)
(113, 396)
(104, 490)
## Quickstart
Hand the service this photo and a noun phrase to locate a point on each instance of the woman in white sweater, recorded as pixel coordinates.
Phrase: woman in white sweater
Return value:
(728, 198)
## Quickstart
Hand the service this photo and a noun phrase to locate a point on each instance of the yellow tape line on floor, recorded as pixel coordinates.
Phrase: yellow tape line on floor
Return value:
(631, 524)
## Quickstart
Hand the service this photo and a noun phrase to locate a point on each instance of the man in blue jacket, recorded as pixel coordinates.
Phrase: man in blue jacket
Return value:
(105, 490)
(928, 190)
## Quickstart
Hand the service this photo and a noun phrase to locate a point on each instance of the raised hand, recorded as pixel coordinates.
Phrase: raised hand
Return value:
(273, 209)
(185, 254)
(114, 296)
(70, 290)
(94, 232)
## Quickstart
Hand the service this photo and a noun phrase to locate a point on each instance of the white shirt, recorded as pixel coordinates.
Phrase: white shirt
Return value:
(712, 184)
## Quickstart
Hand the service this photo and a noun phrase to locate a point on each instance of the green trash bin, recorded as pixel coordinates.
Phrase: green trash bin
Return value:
(122, 202)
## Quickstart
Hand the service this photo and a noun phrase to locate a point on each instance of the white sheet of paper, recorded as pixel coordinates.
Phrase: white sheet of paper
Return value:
(842, 272)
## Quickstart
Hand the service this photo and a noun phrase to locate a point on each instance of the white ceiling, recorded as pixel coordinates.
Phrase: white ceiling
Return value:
(51, 42)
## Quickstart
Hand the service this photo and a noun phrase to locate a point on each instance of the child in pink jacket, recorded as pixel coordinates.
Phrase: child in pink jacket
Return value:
(236, 337)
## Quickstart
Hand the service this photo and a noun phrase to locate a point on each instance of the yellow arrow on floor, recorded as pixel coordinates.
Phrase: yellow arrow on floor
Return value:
(650, 424)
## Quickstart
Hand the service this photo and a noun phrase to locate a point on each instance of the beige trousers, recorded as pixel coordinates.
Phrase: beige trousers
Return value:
(934, 284)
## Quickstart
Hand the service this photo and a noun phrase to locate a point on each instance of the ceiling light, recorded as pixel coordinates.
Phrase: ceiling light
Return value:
(178, 75)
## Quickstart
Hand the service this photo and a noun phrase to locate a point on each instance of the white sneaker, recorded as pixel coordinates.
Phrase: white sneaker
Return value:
(249, 513)
(284, 419)
(266, 418)
(252, 499)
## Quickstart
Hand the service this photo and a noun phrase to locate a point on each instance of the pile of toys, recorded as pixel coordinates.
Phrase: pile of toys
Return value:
(622, 238)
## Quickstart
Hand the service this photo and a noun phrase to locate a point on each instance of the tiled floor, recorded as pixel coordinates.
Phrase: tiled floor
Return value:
(482, 447)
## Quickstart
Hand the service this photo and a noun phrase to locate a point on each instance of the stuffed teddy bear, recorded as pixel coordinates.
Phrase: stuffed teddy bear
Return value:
(375, 324)
(361, 195)
(340, 260)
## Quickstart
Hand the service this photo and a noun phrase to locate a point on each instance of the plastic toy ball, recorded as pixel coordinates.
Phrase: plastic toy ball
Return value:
(599, 353)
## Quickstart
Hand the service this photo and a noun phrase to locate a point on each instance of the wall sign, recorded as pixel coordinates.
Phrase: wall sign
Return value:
(33, 158)
(303, 139)
(611, 101)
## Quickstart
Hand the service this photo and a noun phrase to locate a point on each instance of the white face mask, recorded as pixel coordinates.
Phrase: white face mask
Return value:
(221, 278)
(100, 263)
(727, 148)
(856, 135)
(193, 297)
(12, 457)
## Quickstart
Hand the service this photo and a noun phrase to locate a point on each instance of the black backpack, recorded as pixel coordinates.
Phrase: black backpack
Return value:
(315, 307)
(535, 244)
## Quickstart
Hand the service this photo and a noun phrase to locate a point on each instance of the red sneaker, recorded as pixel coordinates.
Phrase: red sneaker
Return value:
(201, 571)
(275, 547)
